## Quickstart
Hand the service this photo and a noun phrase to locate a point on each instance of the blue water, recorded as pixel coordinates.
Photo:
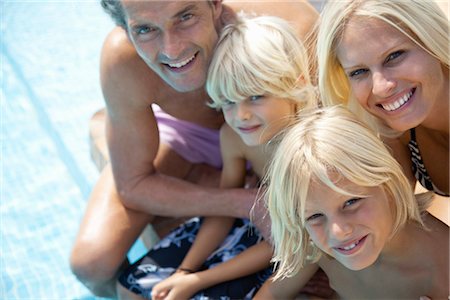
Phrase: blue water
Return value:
(49, 89)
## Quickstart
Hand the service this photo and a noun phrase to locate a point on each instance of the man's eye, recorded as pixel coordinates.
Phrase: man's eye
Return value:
(141, 30)
(186, 17)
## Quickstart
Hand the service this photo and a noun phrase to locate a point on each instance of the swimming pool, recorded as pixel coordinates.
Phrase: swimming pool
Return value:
(49, 89)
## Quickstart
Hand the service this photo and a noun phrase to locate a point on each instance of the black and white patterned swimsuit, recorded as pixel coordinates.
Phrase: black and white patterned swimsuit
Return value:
(418, 167)
(163, 259)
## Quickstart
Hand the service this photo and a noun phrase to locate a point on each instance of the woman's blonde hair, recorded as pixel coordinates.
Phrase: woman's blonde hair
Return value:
(422, 21)
(258, 56)
(326, 142)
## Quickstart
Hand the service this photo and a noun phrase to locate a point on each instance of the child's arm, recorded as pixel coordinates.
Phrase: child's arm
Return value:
(183, 286)
(250, 261)
(210, 235)
(286, 288)
(214, 229)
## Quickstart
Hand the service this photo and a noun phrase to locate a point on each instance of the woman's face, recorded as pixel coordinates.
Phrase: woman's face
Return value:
(390, 76)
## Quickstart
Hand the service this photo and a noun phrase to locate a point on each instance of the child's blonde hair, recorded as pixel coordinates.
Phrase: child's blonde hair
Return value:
(258, 56)
(323, 143)
(422, 21)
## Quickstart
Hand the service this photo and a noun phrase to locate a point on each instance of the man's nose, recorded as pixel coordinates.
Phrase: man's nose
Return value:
(171, 46)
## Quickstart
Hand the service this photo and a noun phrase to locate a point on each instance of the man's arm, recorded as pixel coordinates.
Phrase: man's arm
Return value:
(128, 85)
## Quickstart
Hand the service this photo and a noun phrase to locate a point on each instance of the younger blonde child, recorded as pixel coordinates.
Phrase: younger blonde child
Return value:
(338, 200)
(259, 78)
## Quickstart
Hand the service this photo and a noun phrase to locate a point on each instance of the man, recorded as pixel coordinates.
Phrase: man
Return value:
(159, 54)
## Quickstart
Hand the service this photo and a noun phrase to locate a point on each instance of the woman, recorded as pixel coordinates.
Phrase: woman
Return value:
(388, 61)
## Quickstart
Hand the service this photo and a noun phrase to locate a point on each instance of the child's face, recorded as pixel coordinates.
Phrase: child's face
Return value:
(353, 230)
(259, 118)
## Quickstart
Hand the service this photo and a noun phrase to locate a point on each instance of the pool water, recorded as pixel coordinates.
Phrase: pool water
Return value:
(50, 54)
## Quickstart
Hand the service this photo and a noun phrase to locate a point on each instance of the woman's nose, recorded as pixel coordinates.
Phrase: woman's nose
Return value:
(382, 86)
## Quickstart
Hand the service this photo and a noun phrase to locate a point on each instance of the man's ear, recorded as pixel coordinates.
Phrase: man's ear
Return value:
(217, 9)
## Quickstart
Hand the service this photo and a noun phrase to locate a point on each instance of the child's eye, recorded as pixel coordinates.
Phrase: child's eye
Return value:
(227, 103)
(356, 73)
(393, 56)
(255, 98)
(351, 201)
(313, 217)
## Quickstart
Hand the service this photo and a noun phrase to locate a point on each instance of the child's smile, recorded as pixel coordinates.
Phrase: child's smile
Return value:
(355, 228)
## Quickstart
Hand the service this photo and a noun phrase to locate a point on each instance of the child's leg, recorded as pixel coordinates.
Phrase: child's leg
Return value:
(243, 236)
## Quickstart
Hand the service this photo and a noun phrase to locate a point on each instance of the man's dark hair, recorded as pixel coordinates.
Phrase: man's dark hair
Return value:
(115, 10)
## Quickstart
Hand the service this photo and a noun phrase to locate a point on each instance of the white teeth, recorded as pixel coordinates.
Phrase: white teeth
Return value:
(398, 103)
(351, 246)
(182, 63)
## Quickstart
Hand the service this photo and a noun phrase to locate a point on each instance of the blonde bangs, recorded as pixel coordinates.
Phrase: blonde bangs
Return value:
(259, 56)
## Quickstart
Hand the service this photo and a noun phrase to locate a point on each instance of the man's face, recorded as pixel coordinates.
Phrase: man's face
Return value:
(175, 38)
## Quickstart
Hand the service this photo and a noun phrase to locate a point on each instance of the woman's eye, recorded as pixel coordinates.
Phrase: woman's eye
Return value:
(393, 56)
(351, 201)
(357, 73)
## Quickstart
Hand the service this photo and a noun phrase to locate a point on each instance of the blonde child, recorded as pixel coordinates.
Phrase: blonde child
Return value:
(338, 200)
(259, 78)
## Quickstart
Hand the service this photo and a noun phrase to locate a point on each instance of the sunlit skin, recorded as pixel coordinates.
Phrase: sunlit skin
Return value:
(392, 77)
(175, 38)
(155, 179)
(258, 118)
(353, 230)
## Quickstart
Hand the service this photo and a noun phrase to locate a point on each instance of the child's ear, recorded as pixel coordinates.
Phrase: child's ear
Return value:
(301, 80)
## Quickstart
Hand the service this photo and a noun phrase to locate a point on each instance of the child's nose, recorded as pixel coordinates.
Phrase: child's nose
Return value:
(243, 113)
(340, 229)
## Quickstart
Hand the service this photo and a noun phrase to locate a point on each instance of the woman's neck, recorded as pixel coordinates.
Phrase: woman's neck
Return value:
(438, 119)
